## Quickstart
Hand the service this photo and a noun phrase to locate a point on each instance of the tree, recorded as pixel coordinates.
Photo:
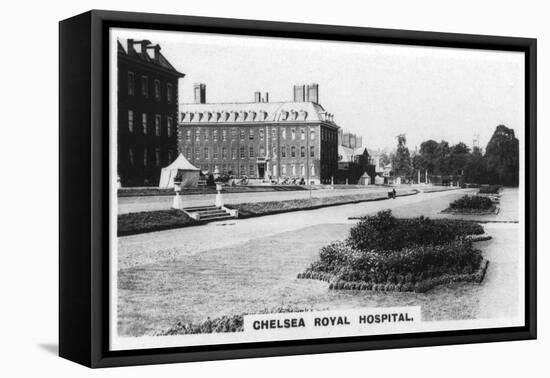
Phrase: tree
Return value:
(458, 158)
(384, 159)
(474, 171)
(401, 162)
(502, 157)
(427, 157)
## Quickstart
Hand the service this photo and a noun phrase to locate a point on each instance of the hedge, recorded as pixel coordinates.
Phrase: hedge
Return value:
(472, 203)
(489, 189)
(149, 221)
(232, 323)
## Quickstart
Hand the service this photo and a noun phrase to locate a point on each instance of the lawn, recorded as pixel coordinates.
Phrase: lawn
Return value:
(257, 275)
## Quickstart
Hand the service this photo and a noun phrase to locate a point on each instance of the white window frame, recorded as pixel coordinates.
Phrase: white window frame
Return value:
(169, 126)
(130, 121)
(132, 87)
(144, 123)
(158, 94)
(158, 124)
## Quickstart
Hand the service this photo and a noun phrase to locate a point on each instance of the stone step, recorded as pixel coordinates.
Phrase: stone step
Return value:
(210, 212)
(200, 208)
(216, 217)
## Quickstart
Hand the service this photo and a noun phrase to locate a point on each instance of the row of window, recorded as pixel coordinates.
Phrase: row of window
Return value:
(144, 124)
(146, 158)
(206, 134)
(251, 169)
(144, 86)
(243, 153)
(328, 135)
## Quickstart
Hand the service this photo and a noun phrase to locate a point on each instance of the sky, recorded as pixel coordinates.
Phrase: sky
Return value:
(374, 90)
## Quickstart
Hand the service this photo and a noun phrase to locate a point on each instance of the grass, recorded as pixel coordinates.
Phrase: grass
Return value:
(154, 191)
(149, 221)
(261, 273)
(248, 210)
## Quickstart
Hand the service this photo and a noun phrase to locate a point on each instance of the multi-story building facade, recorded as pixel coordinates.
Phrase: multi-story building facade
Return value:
(147, 112)
(261, 139)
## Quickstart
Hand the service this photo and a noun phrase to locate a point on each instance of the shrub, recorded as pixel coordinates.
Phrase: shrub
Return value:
(385, 232)
(332, 257)
(383, 253)
(489, 189)
(472, 203)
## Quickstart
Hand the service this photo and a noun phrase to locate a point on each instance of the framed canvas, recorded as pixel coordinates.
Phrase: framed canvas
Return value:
(235, 188)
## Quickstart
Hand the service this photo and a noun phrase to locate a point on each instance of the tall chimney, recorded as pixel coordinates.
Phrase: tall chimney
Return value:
(313, 93)
(156, 49)
(199, 90)
(266, 98)
(257, 96)
(299, 93)
(130, 45)
(144, 45)
(157, 53)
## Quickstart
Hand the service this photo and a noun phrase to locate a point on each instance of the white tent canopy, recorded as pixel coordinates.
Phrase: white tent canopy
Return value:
(189, 174)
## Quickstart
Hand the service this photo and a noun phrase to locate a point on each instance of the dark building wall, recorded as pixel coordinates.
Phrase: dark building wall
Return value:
(141, 155)
(329, 154)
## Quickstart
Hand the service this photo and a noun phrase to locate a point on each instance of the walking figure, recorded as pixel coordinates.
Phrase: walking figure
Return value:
(394, 193)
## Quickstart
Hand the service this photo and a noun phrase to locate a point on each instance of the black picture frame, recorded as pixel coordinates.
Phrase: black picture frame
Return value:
(84, 195)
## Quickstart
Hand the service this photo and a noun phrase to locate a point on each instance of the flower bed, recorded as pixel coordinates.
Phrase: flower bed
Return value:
(383, 253)
(149, 221)
(489, 189)
(477, 204)
(233, 323)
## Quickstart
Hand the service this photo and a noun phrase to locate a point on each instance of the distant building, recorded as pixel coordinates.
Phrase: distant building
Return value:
(354, 160)
(349, 140)
(261, 140)
(147, 112)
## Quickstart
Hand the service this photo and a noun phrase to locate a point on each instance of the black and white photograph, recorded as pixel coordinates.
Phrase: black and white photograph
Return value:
(268, 189)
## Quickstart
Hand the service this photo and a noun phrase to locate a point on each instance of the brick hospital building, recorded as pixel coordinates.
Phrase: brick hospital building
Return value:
(147, 112)
(261, 139)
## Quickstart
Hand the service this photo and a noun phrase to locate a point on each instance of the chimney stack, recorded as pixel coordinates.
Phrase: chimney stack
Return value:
(266, 98)
(144, 45)
(257, 97)
(312, 94)
(199, 90)
(299, 93)
(157, 53)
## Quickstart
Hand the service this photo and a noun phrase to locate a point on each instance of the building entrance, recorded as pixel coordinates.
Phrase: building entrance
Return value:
(261, 170)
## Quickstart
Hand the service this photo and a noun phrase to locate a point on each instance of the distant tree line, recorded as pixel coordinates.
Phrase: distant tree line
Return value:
(498, 165)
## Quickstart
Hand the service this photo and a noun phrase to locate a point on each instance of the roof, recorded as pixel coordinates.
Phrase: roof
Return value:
(144, 57)
(348, 154)
(252, 112)
(182, 163)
